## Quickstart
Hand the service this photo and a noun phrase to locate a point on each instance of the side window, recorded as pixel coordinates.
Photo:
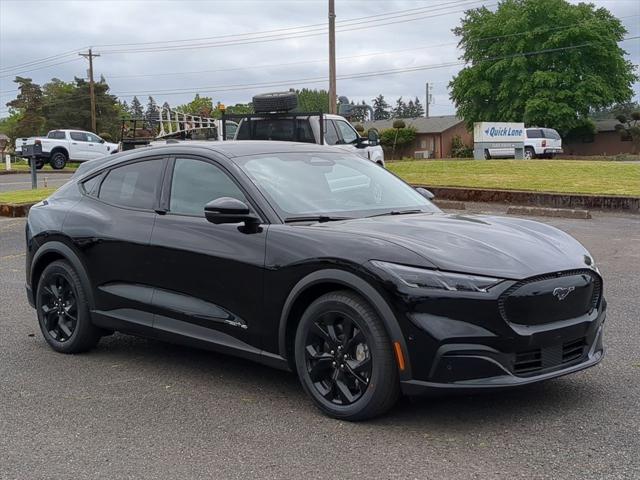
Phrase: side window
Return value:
(347, 132)
(195, 183)
(56, 134)
(135, 185)
(78, 136)
(534, 133)
(303, 131)
(330, 133)
(91, 186)
(93, 138)
(550, 133)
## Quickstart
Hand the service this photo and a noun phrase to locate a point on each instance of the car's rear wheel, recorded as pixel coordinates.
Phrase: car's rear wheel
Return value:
(63, 312)
(529, 153)
(344, 358)
(58, 160)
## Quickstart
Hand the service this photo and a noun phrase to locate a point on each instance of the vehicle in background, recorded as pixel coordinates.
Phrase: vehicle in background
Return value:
(538, 143)
(275, 120)
(62, 146)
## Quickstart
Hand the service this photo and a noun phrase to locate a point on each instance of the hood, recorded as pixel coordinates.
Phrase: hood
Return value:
(510, 248)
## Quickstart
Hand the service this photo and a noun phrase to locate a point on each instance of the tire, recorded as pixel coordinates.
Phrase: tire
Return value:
(63, 311)
(348, 376)
(275, 102)
(487, 156)
(58, 160)
(529, 153)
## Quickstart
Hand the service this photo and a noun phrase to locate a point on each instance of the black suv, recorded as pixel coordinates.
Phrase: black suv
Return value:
(310, 259)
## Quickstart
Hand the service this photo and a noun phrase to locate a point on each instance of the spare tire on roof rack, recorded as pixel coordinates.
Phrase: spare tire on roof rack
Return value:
(275, 102)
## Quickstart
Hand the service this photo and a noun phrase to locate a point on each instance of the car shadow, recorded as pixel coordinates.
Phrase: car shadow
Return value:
(525, 404)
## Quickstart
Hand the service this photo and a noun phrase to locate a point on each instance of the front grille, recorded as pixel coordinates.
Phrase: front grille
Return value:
(551, 297)
(550, 357)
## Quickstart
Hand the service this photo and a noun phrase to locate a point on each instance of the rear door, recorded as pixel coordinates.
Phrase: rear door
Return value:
(112, 228)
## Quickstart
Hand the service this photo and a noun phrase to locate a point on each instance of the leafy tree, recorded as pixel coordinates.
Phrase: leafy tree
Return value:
(124, 108)
(380, 108)
(313, 100)
(201, 106)
(544, 62)
(629, 128)
(136, 108)
(9, 125)
(400, 109)
(624, 108)
(28, 104)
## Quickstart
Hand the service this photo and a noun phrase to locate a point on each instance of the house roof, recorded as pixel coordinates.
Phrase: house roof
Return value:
(421, 124)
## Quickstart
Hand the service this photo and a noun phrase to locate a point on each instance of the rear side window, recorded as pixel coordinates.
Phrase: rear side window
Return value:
(550, 133)
(56, 135)
(534, 133)
(134, 185)
(91, 186)
(195, 183)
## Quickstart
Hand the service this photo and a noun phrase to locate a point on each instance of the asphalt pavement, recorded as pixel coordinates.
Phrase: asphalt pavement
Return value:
(22, 181)
(136, 408)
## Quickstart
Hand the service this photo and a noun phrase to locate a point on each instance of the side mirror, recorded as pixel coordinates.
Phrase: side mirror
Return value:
(425, 193)
(373, 137)
(101, 140)
(228, 210)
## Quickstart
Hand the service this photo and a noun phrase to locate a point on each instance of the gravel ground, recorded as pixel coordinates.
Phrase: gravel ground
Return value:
(135, 408)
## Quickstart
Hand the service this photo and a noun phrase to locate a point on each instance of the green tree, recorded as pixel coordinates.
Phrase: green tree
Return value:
(623, 108)
(136, 108)
(313, 100)
(544, 62)
(399, 111)
(28, 104)
(201, 106)
(418, 109)
(629, 128)
(151, 116)
(380, 108)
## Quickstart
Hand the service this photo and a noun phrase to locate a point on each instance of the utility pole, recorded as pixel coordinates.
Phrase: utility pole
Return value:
(332, 56)
(92, 92)
(426, 103)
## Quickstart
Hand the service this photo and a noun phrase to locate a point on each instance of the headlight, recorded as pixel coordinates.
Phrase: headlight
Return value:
(435, 279)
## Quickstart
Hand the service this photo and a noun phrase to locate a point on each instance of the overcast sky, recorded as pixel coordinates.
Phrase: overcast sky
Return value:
(223, 71)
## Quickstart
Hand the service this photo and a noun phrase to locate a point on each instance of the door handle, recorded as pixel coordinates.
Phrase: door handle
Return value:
(73, 143)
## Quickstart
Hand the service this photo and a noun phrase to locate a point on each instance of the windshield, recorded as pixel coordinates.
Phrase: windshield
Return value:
(308, 184)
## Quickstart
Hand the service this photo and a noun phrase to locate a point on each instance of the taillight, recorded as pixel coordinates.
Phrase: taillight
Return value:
(544, 143)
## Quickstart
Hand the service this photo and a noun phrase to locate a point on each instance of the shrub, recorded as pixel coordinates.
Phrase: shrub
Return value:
(459, 149)
(399, 124)
(106, 136)
(359, 128)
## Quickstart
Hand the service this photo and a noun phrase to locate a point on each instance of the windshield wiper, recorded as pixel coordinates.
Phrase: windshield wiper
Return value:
(396, 212)
(315, 218)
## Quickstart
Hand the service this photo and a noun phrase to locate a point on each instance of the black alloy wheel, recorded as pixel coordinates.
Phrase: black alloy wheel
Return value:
(63, 311)
(59, 307)
(58, 160)
(338, 358)
(344, 357)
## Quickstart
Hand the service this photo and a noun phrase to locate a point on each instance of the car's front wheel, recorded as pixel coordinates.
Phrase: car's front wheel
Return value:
(529, 153)
(344, 358)
(63, 312)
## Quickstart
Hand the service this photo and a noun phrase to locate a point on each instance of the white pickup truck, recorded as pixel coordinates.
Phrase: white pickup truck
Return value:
(61, 146)
(275, 120)
(538, 143)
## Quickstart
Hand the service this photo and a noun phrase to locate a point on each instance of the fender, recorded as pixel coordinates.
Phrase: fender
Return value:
(72, 257)
(360, 286)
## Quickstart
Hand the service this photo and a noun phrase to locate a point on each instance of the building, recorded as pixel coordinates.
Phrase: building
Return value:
(606, 141)
(433, 134)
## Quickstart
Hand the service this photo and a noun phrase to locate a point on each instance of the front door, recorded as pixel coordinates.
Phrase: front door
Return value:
(209, 278)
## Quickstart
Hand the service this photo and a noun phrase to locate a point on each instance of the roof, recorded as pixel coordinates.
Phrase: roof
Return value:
(606, 125)
(421, 124)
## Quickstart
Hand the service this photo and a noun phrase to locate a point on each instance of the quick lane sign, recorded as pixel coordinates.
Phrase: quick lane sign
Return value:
(498, 132)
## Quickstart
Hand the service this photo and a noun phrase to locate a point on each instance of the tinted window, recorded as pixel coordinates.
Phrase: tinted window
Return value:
(347, 133)
(550, 133)
(534, 133)
(91, 185)
(57, 134)
(268, 129)
(330, 134)
(78, 136)
(195, 183)
(134, 185)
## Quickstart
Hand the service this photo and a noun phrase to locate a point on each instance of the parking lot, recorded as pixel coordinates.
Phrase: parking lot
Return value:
(136, 408)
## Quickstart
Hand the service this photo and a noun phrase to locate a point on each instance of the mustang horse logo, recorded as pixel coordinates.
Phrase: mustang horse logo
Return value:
(562, 292)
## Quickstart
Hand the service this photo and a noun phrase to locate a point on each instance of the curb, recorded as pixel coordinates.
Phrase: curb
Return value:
(538, 199)
(549, 212)
(449, 204)
(15, 209)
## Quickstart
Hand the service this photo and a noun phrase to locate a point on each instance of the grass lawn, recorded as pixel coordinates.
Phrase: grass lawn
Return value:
(24, 167)
(26, 196)
(562, 176)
